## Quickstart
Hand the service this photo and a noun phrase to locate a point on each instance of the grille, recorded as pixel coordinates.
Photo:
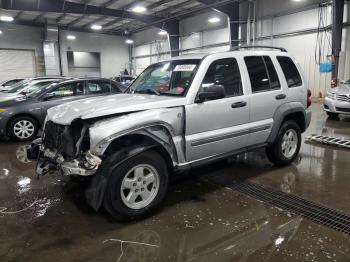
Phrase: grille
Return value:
(52, 137)
(344, 98)
(315, 212)
(347, 110)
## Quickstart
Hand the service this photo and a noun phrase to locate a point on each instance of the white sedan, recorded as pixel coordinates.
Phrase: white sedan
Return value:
(337, 100)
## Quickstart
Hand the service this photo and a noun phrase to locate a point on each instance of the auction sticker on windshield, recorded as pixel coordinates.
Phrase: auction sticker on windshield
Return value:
(184, 68)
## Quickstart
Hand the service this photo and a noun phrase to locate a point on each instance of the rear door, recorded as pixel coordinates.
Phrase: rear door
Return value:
(220, 126)
(267, 95)
(292, 79)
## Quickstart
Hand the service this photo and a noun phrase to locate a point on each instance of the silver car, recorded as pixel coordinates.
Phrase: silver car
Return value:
(337, 100)
(177, 114)
(25, 88)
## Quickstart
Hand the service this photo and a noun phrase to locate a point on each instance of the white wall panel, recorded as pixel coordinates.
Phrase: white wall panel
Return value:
(216, 36)
(114, 53)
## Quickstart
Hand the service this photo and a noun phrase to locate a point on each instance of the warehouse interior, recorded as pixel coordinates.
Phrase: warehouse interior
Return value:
(241, 208)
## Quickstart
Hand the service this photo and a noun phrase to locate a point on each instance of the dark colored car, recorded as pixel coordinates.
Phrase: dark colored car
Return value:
(22, 118)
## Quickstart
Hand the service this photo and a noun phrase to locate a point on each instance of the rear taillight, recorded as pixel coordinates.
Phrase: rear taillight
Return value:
(333, 83)
(308, 98)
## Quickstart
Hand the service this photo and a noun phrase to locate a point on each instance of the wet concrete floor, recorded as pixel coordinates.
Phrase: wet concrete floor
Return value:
(201, 219)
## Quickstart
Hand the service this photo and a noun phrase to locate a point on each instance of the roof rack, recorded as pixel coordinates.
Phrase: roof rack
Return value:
(258, 46)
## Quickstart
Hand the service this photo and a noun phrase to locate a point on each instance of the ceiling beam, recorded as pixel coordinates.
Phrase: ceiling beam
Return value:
(60, 18)
(39, 17)
(77, 20)
(188, 12)
(95, 21)
(109, 3)
(62, 6)
(160, 13)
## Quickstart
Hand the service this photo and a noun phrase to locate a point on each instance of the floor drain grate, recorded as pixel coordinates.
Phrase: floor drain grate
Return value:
(317, 213)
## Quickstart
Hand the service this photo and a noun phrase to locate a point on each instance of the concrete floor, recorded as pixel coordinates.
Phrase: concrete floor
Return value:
(201, 220)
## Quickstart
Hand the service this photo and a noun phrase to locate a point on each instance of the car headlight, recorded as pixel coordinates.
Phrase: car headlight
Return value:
(2, 110)
(331, 95)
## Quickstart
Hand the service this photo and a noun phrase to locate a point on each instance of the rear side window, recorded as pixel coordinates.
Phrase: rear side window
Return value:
(225, 72)
(290, 71)
(262, 73)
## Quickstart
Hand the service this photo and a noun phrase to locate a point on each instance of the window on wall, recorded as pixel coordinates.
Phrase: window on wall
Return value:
(224, 72)
(262, 73)
(290, 71)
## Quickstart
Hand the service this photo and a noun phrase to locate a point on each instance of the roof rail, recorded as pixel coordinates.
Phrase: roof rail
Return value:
(258, 46)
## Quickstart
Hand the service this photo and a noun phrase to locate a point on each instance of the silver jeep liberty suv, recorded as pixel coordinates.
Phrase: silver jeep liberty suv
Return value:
(177, 114)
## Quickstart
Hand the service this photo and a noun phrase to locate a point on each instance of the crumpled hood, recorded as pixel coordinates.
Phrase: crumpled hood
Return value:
(110, 105)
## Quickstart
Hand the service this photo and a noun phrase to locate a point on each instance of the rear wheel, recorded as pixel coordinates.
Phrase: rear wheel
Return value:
(137, 186)
(287, 144)
(332, 115)
(23, 128)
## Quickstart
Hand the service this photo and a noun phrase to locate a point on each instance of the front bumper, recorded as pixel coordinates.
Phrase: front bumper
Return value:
(307, 119)
(336, 106)
(49, 160)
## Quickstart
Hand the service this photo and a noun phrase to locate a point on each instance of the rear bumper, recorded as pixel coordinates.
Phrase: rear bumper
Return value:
(335, 106)
(307, 119)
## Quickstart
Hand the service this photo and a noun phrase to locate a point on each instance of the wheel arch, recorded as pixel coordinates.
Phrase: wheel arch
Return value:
(22, 115)
(290, 111)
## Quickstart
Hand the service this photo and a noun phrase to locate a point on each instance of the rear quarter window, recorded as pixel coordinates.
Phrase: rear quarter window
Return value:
(290, 71)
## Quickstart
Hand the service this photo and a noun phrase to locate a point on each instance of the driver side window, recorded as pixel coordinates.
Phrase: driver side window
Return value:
(71, 89)
(224, 72)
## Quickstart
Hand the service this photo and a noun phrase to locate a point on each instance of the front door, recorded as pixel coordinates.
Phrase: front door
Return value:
(219, 126)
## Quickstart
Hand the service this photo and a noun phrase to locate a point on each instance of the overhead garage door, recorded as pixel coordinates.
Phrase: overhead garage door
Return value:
(16, 63)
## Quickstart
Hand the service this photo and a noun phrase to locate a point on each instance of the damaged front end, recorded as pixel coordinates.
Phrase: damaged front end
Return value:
(64, 148)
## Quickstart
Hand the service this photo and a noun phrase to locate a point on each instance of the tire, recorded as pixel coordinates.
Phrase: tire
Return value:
(116, 199)
(333, 115)
(289, 130)
(29, 125)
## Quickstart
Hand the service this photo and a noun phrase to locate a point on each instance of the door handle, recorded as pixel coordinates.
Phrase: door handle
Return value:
(281, 96)
(239, 104)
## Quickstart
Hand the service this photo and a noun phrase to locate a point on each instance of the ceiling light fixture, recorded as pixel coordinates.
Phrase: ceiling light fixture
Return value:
(139, 9)
(96, 27)
(6, 18)
(214, 20)
(162, 32)
(71, 37)
(129, 41)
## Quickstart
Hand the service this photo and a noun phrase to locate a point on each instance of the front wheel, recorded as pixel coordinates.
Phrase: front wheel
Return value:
(23, 128)
(137, 186)
(287, 144)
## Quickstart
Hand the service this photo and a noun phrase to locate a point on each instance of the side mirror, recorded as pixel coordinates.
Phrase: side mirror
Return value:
(24, 92)
(211, 92)
(342, 82)
(48, 96)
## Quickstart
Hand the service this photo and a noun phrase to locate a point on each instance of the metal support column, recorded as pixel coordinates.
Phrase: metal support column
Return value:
(232, 11)
(337, 29)
(173, 30)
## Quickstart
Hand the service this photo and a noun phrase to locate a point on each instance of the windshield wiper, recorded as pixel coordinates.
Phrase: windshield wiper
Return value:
(147, 91)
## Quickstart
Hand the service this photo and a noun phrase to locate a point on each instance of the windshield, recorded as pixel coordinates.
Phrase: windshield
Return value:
(30, 87)
(347, 82)
(166, 78)
(43, 89)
